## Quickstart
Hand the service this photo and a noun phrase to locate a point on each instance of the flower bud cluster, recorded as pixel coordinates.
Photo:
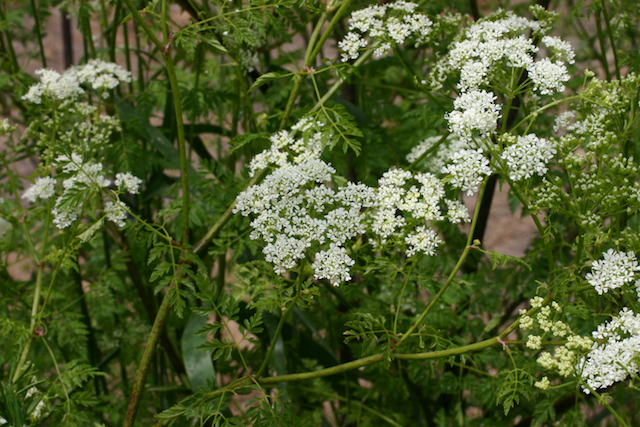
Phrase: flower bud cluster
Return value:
(565, 357)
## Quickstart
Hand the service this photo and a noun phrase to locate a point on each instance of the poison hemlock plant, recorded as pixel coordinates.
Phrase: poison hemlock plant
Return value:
(240, 225)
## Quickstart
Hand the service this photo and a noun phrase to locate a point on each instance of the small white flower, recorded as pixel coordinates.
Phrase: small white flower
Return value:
(534, 342)
(536, 302)
(351, 45)
(614, 354)
(563, 120)
(561, 48)
(333, 264)
(548, 77)
(38, 410)
(423, 240)
(612, 271)
(474, 111)
(55, 86)
(31, 392)
(43, 189)
(6, 126)
(457, 212)
(382, 49)
(526, 322)
(128, 182)
(63, 217)
(468, 169)
(116, 212)
(528, 156)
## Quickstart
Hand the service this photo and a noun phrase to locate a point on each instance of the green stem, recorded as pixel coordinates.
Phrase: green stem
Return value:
(404, 286)
(534, 114)
(611, 39)
(310, 56)
(431, 149)
(336, 18)
(143, 368)
(365, 361)
(13, 60)
(226, 216)
(39, 33)
(603, 51)
(38, 289)
(32, 326)
(177, 104)
(460, 263)
(241, 383)
(312, 41)
(163, 311)
(145, 27)
(274, 340)
(606, 405)
(333, 89)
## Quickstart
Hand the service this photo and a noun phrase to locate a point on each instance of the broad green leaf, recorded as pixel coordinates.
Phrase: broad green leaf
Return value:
(197, 363)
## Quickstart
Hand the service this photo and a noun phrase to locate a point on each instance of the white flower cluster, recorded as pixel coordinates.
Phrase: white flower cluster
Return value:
(543, 384)
(351, 45)
(116, 212)
(529, 155)
(102, 75)
(88, 133)
(6, 127)
(467, 170)
(457, 212)
(42, 189)
(490, 45)
(498, 41)
(98, 74)
(84, 177)
(390, 22)
(423, 240)
(305, 147)
(613, 271)
(548, 77)
(38, 411)
(593, 129)
(615, 352)
(87, 173)
(474, 111)
(296, 210)
(562, 49)
(563, 120)
(299, 214)
(127, 182)
(420, 202)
